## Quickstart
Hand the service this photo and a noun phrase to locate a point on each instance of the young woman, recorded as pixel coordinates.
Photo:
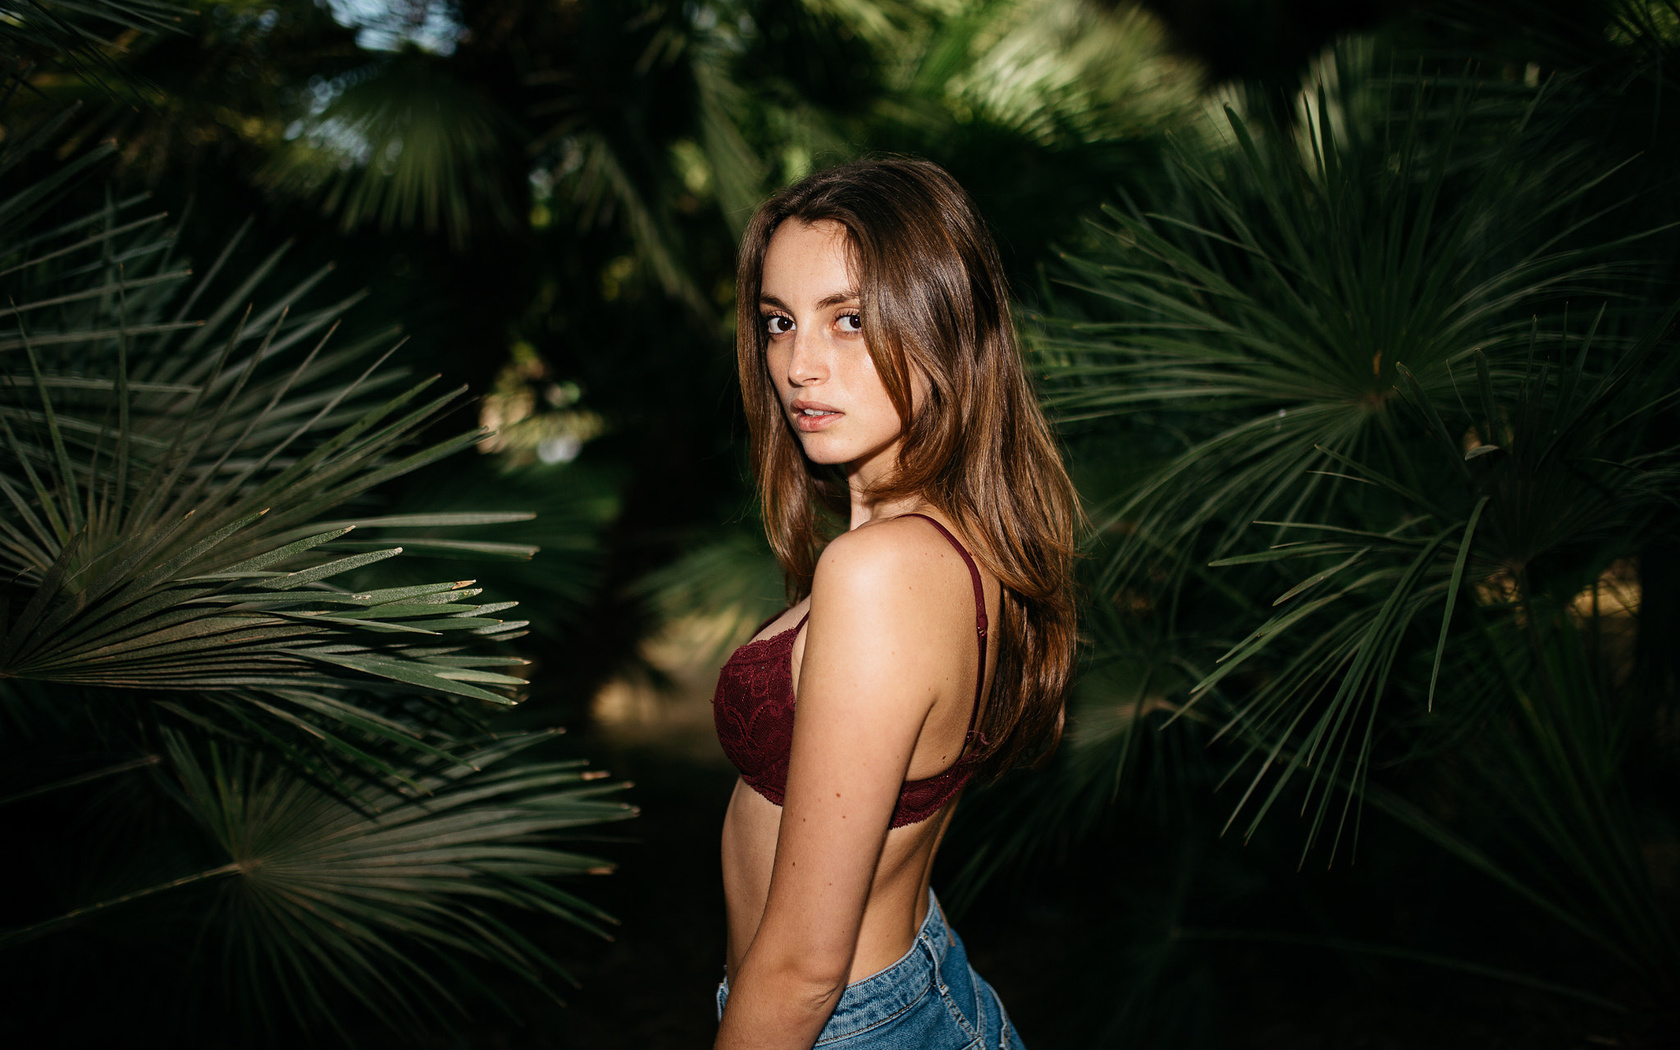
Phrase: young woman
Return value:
(931, 641)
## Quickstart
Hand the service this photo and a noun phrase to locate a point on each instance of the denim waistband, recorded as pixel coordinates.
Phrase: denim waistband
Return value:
(883, 996)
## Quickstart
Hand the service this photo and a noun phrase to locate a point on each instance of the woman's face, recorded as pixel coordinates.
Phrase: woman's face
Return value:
(817, 355)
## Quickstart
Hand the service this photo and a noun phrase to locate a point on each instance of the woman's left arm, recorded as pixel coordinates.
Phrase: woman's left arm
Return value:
(865, 690)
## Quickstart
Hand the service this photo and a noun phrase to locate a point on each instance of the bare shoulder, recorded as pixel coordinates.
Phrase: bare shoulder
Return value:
(895, 542)
(902, 559)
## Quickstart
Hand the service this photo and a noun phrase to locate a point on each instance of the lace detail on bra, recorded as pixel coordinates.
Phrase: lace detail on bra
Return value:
(753, 712)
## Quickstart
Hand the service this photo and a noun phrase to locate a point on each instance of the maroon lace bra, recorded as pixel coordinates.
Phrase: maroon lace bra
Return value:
(753, 711)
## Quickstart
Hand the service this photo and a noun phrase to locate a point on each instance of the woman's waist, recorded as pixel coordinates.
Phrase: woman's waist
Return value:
(870, 998)
(752, 827)
(889, 932)
(893, 913)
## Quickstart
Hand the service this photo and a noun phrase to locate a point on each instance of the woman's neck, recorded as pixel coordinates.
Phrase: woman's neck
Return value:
(866, 510)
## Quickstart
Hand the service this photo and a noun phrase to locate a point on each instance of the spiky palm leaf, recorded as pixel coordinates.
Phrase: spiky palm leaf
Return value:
(380, 891)
(1555, 478)
(377, 891)
(1344, 351)
(81, 32)
(732, 581)
(180, 497)
(402, 144)
(1287, 315)
(1061, 72)
(167, 483)
(1272, 315)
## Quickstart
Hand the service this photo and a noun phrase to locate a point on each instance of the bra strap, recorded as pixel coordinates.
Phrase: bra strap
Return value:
(979, 611)
(773, 618)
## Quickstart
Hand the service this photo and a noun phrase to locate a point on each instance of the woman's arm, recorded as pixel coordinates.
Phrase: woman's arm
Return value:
(865, 689)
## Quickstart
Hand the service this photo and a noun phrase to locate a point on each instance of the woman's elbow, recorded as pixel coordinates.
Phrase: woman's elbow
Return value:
(815, 978)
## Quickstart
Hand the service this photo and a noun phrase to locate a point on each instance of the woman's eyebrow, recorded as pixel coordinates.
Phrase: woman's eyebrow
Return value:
(847, 296)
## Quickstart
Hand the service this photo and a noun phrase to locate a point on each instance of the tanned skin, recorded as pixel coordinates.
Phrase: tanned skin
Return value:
(820, 892)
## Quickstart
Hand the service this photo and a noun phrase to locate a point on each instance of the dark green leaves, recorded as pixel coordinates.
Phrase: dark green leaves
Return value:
(165, 495)
(314, 890)
(224, 724)
(1344, 354)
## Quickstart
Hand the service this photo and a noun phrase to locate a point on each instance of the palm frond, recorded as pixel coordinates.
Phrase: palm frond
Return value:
(733, 582)
(1058, 72)
(1563, 475)
(403, 144)
(315, 894)
(80, 34)
(165, 496)
(1348, 351)
(220, 726)
(1283, 310)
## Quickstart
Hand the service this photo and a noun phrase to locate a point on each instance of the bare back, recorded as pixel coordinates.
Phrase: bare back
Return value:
(943, 667)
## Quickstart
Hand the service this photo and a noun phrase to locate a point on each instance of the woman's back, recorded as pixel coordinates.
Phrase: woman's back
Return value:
(933, 654)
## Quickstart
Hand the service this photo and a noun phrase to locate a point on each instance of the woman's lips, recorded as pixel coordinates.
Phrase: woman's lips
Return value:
(809, 416)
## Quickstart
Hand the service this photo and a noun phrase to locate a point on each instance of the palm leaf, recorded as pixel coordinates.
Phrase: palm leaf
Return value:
(82, 33)
(403, 144)
(1344, 351)
(319, 895)
(182, 611)
(166, 495)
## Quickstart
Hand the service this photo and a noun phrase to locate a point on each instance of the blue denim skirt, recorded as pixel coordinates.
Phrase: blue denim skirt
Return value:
(930, 999)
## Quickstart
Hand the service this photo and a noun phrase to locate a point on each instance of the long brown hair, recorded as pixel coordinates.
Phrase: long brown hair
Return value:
(934, 303)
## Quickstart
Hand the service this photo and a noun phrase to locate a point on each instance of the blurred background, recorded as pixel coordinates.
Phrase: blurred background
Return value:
(1355, 320)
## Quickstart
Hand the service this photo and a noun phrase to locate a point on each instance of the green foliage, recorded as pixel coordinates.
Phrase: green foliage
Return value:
(404, 145)
(80, 34)
(563, 184)
(646, 114)
(168, 497)
(375, 887)
(1369, 392)
(208, 736)
(1352, 353)
(733, 581)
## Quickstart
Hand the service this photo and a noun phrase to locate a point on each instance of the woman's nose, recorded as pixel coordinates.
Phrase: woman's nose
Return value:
(806, 364)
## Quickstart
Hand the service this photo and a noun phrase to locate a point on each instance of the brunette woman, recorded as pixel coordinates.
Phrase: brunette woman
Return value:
(928, 644)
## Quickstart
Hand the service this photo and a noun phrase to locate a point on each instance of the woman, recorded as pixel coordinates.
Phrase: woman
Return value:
(883, 386)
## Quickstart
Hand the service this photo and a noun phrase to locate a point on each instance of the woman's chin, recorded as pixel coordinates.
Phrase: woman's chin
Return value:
(819, 449)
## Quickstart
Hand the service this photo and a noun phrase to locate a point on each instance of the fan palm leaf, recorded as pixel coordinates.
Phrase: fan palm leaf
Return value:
(1567, 474)
(166, 480)
(211, 734)
(375, 891)
(80, 34)
(1346, 350)
(1284, 311)
(404, 144)
(1342, 270)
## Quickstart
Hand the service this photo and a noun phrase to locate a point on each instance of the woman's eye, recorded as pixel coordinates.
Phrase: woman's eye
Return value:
(851, 322)
(776, 324)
